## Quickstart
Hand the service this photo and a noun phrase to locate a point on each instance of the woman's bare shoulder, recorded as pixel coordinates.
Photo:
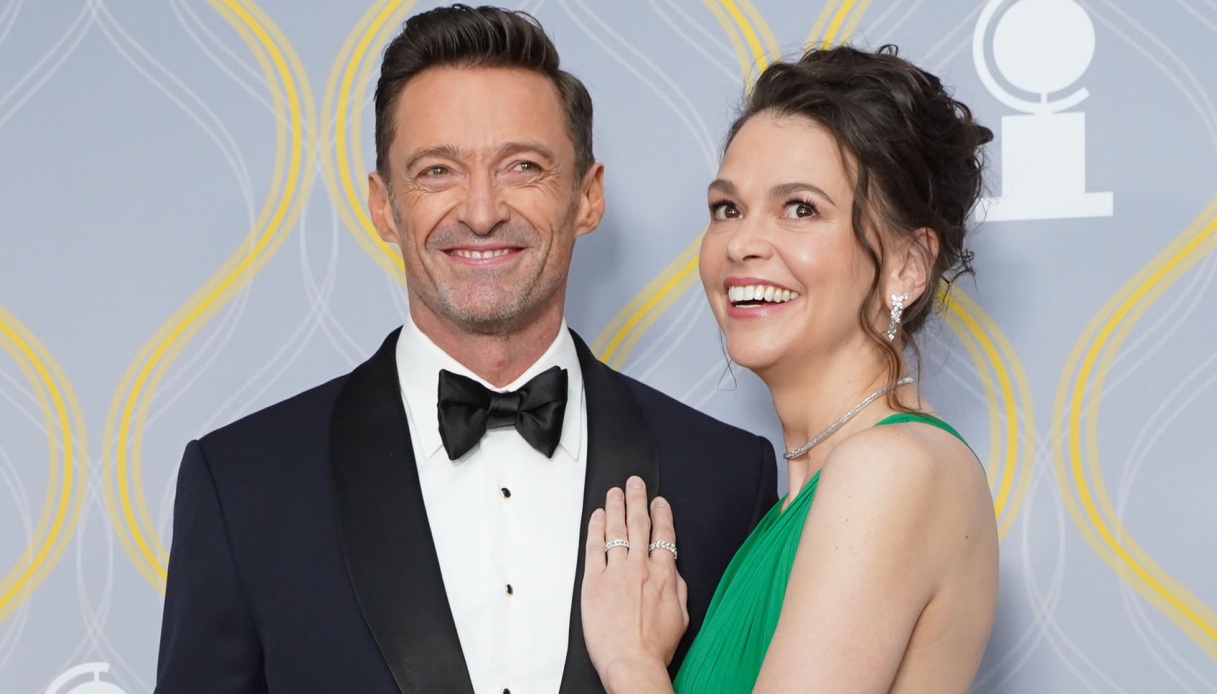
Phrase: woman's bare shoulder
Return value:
(913, 485)
(913, 458)
(871, 557)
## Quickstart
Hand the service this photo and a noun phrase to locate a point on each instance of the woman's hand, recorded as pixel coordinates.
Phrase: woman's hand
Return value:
(634, 610)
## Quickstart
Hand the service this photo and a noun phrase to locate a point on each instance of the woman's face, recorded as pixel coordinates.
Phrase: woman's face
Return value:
(781, 268)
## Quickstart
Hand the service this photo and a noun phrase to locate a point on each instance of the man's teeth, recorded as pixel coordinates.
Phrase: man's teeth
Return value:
(760, 292)
(478, 255)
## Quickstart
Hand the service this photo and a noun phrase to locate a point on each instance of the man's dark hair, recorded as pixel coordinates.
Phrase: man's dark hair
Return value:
(477, 37)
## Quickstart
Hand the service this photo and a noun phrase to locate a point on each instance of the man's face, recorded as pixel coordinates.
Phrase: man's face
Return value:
(483, 199)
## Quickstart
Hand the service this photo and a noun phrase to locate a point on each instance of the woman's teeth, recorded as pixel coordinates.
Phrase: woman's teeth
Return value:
(760, 293)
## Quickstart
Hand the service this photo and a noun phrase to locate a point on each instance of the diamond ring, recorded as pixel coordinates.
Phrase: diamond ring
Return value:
(619, 542)
(663, 544)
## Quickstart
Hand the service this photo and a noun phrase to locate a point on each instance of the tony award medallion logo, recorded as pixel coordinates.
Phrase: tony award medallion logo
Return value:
(84, 679)
(1041, 47)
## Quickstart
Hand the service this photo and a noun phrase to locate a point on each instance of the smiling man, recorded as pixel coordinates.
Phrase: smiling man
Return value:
(482, 189)
(417, 524)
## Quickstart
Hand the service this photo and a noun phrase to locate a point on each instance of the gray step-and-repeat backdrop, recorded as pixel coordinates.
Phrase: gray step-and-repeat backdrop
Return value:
(183, 240)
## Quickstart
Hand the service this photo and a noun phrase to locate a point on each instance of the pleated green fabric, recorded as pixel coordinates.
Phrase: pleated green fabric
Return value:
(727, 654)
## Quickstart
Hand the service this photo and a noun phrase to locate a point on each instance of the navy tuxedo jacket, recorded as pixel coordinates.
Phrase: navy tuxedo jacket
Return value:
(302, 560)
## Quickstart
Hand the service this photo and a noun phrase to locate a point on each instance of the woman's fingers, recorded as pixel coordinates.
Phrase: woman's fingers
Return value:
(663, 532)
(616, 534)
(633, 608)
(682, 594)
(594, 548)
(627, 524)
(637, 518)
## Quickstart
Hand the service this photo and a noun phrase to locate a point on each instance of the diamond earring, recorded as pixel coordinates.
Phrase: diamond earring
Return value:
(897, 311)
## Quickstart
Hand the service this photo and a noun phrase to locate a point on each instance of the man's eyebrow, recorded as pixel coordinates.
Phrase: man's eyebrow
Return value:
(441, 151)
(505, 150)
(786, 189)
(723, 186)
(510, 148)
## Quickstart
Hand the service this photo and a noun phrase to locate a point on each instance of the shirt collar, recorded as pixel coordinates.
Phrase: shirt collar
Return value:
(419, 361)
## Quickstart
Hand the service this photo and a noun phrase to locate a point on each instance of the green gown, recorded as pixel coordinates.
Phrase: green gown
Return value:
(727, 654)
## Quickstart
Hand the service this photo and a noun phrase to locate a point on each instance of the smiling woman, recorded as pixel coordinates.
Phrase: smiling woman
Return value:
(838, 211)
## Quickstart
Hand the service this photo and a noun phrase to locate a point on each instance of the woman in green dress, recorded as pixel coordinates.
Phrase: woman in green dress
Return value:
(837, 221)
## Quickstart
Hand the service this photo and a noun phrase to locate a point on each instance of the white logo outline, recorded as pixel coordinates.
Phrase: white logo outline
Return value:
(1043, 149)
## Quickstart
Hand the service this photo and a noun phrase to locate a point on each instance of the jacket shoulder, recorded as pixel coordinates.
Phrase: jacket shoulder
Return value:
(298, 417)
(668, 412)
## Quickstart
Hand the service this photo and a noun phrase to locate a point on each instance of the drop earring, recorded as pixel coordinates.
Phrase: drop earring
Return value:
(897, 311)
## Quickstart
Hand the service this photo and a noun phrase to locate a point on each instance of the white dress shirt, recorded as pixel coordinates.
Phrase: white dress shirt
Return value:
(505, 520)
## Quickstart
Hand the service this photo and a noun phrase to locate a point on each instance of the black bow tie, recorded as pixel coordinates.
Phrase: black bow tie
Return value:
(467, 409)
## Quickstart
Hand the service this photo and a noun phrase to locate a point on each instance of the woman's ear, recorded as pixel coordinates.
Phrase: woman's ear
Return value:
(913, 264)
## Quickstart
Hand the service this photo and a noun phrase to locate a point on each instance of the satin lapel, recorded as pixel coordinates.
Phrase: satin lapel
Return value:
(387, 541)
(619, 444)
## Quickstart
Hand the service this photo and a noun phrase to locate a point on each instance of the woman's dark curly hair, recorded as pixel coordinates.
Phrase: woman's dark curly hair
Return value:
(914, 154)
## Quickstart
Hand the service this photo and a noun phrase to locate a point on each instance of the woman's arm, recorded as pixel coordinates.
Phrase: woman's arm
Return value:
(633, 600)
(867, 565)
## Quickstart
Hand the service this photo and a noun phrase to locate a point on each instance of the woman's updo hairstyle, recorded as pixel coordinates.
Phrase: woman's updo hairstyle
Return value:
(913, 152)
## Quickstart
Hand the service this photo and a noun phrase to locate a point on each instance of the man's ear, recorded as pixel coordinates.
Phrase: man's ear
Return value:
(914, 264)
(590, 208)
(380, 209)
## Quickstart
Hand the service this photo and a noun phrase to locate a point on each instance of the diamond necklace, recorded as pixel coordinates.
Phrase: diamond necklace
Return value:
(841, 422)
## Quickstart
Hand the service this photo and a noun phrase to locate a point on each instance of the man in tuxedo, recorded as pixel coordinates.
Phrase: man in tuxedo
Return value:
(416, 525)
